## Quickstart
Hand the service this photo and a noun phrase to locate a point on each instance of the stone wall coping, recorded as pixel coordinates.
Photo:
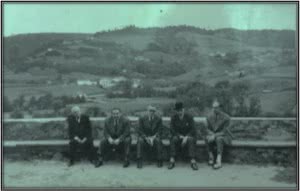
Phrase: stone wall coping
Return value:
(235, 143)
(131, 118)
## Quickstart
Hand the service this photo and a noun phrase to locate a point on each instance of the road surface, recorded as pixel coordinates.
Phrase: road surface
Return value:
(55, 173)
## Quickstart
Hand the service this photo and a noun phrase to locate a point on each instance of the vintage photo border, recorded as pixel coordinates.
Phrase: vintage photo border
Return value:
(152, 188)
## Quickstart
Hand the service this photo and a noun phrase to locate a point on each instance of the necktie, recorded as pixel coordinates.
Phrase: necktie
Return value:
(116, 125)
(216, 121)
(151, 123)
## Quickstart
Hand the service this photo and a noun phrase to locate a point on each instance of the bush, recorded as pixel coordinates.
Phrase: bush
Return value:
(19, 102)
(7, 106)
(254, 107)
(173, 44)
(17, 114)
(95, 112)
(168, 110)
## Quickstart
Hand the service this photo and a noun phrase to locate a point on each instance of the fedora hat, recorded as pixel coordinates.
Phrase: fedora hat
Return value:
(178, 106)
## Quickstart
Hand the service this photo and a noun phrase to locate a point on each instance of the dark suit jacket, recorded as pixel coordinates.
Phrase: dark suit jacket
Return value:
(217, 124)
(81, 129)
(184, 126)
(150, 128)
(120, 130)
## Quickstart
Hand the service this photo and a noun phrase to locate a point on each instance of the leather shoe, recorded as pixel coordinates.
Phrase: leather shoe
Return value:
(159, 163)
(70, 163)
(171, 165)
(217, 166)
(140, 164)
(98, 163)
(126, 164)
(194, 166)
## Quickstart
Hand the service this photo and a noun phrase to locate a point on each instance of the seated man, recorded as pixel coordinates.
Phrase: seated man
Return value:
(217, 134)
(116, 135)
(80, 135)
(183, 134)
(149, 131)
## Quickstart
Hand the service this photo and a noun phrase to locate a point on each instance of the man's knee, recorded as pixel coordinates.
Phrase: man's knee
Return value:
(73, 144)
(174, 139)
(219, 140)
(88, 144)
(103, 142)
(127, 140)
(157, 141)
(190, 139)
(140, 141)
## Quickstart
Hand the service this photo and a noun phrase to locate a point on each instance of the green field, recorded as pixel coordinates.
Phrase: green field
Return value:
(164, 58)
(56, 90)
(129, 105)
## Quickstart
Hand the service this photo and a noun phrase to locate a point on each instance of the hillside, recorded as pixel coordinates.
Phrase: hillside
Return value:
(264, 59)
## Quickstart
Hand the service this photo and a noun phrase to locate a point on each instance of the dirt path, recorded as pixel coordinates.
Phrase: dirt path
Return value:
(43, 173)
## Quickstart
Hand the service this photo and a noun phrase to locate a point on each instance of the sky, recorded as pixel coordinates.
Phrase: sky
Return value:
(21, 18)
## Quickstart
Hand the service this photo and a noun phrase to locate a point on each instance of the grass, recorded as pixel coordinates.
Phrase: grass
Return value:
(55, 90)
(129, 105)
(263, 72)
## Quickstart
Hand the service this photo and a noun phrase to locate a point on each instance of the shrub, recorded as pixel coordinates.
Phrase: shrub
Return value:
(95, 112)
(7, 106)
(254, 107)
(17, 114)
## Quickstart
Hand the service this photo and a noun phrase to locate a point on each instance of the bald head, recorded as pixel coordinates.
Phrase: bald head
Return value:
(75, 110)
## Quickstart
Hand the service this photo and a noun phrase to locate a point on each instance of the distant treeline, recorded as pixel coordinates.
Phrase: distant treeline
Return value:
(263, 38)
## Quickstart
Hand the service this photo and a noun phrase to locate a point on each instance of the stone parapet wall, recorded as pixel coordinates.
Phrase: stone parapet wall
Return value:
(240, 128)
(238, 155)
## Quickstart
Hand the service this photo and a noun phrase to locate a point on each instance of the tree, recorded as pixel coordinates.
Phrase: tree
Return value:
(19, 102)
(32, 101)
(196, 94)
(255, 107)
(57, 105)
(223, 94)
(14, 54)
(241, 109)
(126, 88)
(231, 58)
(170, 43)
(144, 91)
(7, 107)
(240, 90)
(95, 112)
(17, 113)
(45, 102)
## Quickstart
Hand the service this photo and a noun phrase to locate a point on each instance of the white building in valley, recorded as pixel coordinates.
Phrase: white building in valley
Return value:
(107, 82)
(86, 82)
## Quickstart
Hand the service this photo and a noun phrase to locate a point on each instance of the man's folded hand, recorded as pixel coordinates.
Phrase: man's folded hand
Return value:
(77, 139)
(110, 140)
(117, 141)
(210, 138)
(148, 140)
(83, 140)
(184, 140)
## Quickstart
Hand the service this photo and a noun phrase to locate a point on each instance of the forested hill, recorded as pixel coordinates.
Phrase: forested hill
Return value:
(168, 51)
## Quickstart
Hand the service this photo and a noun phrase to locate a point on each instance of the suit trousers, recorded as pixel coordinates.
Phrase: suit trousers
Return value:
(157, 144)
(87, 148)
(176, 143)
(124, 145)
(218, 143)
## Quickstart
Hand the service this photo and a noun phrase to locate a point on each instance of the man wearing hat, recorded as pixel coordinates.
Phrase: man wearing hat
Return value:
(149, 132)
(183, 135)
(80, 135)
(217, 134)
(116, 136)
